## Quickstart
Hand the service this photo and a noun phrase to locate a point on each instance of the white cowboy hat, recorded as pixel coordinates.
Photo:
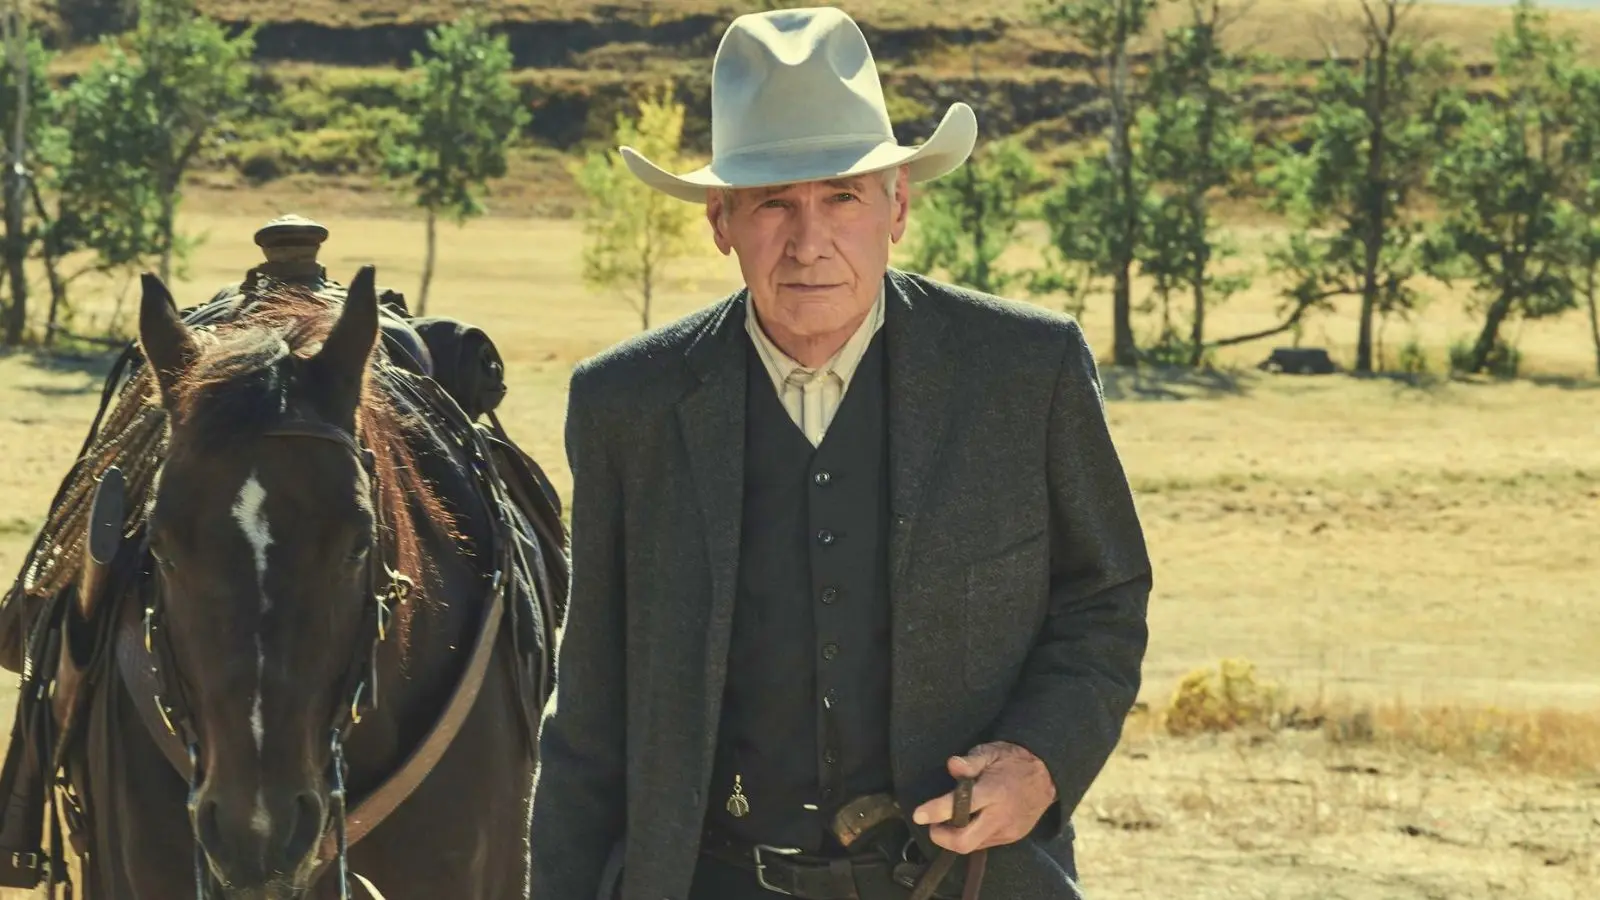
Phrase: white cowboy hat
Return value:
(795, 97)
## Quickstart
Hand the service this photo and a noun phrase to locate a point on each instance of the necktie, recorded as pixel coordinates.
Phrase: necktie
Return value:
(810, 384)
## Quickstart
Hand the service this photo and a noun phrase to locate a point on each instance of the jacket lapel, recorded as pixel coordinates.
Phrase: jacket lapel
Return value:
(922, 363)
(711, 417)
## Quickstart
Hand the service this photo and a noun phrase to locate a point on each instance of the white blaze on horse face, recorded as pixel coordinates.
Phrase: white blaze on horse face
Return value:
(249, 510)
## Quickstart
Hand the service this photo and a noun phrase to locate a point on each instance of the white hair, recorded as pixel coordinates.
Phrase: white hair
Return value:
(891, 185)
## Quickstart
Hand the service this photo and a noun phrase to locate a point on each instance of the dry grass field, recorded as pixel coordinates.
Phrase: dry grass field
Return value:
(1282, 23)
(1415, 565)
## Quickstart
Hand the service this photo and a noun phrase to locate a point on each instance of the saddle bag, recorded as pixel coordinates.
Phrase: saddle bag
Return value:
(466, 363)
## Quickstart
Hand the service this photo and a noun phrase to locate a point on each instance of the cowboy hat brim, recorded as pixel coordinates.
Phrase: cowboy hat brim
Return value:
(946, 149)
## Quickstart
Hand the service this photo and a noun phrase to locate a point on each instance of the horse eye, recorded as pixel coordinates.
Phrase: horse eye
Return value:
(359, 551)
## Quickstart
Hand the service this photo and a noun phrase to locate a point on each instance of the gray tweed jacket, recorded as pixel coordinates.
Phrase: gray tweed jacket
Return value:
(1018, 581)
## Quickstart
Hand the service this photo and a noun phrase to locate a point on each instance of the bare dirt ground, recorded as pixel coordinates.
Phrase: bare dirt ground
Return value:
(1363, 541)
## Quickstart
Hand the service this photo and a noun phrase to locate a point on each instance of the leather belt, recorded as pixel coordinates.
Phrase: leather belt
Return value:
(883, 872)
(787, 871)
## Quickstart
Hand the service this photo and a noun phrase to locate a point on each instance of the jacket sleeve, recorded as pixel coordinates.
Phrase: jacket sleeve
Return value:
(578, 800)
(1083, 674)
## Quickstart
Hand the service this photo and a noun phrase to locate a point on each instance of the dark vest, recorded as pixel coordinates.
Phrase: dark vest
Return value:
(805, 722)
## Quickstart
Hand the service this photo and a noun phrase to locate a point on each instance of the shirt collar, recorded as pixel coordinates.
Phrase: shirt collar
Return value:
(843, 363)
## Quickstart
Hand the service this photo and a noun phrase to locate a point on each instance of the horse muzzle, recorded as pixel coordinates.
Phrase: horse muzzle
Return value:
(278, 890)
(263, 849)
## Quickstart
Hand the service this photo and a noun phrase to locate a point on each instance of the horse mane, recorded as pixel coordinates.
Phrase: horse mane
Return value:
(239, 384)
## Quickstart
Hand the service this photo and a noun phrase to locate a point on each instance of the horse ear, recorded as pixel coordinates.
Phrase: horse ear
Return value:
(164, 339)
(341, 363)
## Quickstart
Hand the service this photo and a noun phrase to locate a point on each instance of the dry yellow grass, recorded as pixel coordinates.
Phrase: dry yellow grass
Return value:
(1425, 555)
(1282, 26)
(1234, 696)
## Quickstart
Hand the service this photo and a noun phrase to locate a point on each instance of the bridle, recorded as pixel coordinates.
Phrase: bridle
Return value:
(386, 589)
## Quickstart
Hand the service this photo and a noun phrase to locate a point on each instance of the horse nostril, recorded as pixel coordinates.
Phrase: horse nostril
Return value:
(307, 828)
(207, 829)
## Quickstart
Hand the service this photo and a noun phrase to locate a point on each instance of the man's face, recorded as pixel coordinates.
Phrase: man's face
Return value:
(813, 254)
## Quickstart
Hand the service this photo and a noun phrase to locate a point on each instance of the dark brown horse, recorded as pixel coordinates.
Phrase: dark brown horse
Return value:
(318, 649)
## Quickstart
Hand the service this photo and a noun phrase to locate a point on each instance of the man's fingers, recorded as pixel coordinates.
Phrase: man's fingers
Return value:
(943, 807)
(939, 809)
(973, 764)
(975, 836)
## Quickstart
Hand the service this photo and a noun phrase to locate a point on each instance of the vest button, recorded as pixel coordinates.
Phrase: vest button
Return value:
(829, 595)
(822, 477)
(825, 537)
(831, 757)
(830, 650)
(830, 697)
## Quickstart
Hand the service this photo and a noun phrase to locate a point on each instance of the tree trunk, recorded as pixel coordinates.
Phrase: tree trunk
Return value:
(1364, 332)
(647, 270)
(1124, 351)
(427, 264)
(57, 295)
(1491, 330)
(58, 288)
(1594, 315)
(16, 253)
(169, 202)
(644, 306)
(981, 277)
(1197, 334)
(1376, 191)
(1199, 214)
(14, 181)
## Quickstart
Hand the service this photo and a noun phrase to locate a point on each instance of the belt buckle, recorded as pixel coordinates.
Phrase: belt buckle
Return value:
(761, 867)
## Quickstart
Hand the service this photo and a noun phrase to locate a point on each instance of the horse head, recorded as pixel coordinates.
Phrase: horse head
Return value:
(274, 521)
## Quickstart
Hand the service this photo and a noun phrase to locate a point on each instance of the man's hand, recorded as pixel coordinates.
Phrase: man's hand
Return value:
(1010, 791)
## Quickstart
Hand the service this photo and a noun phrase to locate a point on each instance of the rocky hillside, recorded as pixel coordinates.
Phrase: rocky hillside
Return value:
(330, 68)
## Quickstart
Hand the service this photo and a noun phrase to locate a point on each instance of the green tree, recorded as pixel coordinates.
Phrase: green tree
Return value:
(1082, 214)
(1499, 184)
(109, 202)
(1373, 130)
(1194, 142)
(465, 114)
(1581, 215)
(966, 221)
(633, 233)
(1108, 28)
(188, 77)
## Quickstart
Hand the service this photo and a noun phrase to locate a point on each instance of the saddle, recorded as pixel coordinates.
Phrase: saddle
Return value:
(62, 659)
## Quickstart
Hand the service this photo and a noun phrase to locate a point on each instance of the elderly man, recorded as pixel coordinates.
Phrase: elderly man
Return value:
(847, 544)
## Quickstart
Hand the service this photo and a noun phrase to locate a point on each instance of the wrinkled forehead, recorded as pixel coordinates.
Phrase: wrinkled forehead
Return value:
(858, 183)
